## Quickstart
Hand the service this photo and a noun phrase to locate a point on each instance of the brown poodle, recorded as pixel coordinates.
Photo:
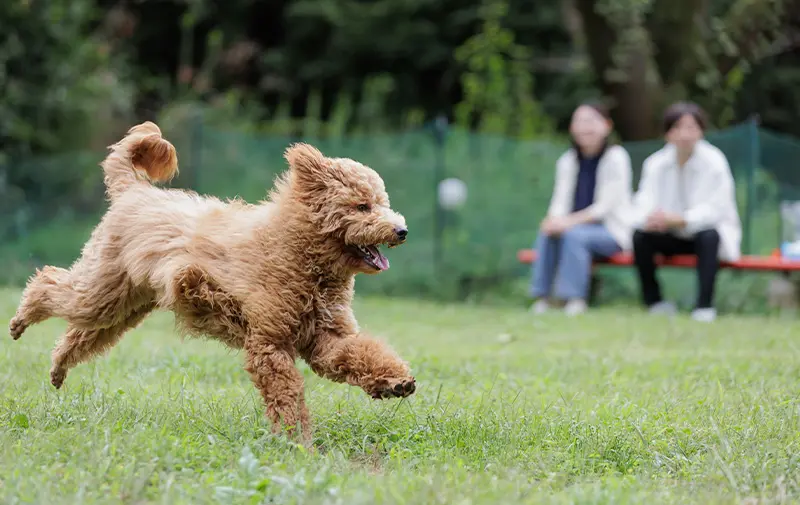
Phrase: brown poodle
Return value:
(275, 279)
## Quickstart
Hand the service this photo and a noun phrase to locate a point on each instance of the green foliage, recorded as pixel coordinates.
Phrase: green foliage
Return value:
(341, 115)
(235, 110)
(626, 18)
(372, 114)
(497, 81)
(738, 37)
(254, 63)
(59, 82)
(60, 90)
(697, 56)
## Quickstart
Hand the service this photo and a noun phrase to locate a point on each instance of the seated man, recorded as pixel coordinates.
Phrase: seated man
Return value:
(685, 204)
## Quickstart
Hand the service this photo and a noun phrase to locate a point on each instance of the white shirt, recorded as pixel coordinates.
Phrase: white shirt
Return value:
(702, 192)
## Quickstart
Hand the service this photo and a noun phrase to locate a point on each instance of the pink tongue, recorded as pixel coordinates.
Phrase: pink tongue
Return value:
(379, 259)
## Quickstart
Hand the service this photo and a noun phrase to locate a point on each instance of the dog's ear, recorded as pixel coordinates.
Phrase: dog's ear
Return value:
(306, 160)
(156, 156)
(309, 167)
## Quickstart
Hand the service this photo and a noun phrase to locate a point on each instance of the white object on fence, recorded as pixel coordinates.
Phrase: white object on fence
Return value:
(452, 193)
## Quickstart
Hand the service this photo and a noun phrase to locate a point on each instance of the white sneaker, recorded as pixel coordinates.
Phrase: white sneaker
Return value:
(540, 306)
(575, 307)
(704, 315)
(663, 308)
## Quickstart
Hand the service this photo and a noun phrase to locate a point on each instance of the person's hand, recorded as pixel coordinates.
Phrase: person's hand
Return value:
(546, 226)
(660, 221)
(674, 220)
(554, 226)
(657, 222)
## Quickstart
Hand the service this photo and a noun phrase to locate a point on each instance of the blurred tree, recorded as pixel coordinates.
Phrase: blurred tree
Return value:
(282, 59)
(289, 50)
(59, 90)
(647, 53)
(772, 88)
(497, 83)
(56, 73)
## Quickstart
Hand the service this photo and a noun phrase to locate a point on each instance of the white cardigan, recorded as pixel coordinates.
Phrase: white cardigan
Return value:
(703, 192)
(612, 192)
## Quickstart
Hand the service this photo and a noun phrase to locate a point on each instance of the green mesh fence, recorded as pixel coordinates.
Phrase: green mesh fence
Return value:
(448, 253)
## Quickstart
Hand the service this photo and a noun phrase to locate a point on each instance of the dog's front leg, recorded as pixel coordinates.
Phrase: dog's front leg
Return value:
(361, 361)
(273, 372)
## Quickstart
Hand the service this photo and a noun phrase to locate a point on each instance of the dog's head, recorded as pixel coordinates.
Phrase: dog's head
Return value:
(348, 204)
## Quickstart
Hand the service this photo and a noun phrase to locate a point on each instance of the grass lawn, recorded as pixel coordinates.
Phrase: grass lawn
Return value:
(614, 408)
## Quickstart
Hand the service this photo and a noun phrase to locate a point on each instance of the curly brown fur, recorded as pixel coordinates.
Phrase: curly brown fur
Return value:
(274, 278)
(203, 308)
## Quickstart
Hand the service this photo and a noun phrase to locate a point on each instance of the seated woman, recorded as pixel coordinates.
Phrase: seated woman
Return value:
(587, 216)
(686, 204)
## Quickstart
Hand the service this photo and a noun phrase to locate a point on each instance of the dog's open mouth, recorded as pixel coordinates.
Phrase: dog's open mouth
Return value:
(371, 255)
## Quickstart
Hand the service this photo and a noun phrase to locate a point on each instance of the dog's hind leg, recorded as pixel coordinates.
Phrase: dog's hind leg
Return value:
(80, 344)
(274, 373)
(88, 296)
(363, 362)
(38, 303)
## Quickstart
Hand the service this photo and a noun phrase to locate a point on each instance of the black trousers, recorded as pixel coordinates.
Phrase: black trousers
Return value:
(704, 244)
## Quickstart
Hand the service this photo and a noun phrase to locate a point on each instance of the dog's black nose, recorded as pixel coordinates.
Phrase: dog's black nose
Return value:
(401, 232)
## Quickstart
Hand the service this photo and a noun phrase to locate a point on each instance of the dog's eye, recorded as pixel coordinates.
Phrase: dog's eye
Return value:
(362, 207)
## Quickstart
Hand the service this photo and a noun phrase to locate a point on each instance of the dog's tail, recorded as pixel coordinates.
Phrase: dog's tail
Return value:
(143, 156)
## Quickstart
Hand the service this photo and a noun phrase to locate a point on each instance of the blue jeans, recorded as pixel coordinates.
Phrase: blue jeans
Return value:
(567, 260)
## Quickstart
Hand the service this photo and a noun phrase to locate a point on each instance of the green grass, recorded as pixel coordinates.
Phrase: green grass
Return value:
(611, 408)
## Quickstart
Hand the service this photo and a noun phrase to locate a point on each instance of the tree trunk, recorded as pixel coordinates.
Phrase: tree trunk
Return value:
(674, 27)
(630, 82)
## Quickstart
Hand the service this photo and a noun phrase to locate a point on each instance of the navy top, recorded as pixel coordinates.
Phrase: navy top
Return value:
(586, 181)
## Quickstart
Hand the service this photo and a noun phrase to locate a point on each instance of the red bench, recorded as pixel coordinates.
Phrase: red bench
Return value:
(773, 263)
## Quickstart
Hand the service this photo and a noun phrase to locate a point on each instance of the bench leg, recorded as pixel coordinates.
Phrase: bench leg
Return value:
(595, 283)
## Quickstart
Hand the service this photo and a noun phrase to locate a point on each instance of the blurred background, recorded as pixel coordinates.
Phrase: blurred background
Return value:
(421, 90)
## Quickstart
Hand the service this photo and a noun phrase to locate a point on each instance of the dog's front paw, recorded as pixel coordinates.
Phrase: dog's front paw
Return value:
(16, 328)
(394, 388)
(57, 376)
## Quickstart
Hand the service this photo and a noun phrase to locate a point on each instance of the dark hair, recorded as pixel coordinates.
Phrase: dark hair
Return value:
(598, 107)
(679, 109)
